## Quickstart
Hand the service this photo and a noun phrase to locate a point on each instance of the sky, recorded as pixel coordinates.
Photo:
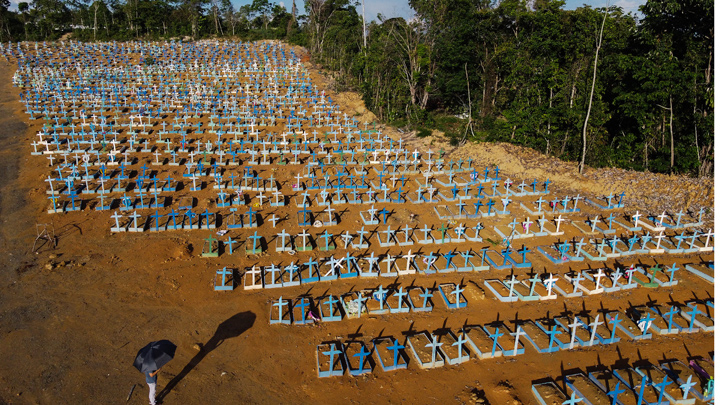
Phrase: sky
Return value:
(401, 8)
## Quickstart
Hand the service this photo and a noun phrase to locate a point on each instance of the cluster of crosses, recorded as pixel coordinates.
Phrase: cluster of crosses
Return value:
(668, 382)
(494, 339)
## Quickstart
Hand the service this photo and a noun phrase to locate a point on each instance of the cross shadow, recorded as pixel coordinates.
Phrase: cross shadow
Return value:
(228, 329)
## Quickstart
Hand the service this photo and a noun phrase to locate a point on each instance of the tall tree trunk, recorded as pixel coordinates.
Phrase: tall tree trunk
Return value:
(672, 138)
(289, 29)
(95, 22)
(364, 27)
(592, 92)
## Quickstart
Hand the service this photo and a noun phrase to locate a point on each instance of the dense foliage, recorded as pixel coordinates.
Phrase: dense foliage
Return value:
(480, 70)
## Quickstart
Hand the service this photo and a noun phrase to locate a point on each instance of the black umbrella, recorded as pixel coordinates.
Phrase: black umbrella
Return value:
(154, 355)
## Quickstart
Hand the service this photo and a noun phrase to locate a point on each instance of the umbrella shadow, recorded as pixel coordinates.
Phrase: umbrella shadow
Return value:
(228, 329)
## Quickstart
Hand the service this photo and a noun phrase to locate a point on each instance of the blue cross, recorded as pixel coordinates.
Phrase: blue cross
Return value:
(332, 352)
(615, 393)
(573, 400)
(495, 337)
(426, 295)
(384, 212)
(673, 310)
(395, 347)
(362, 355)
(661, 387)
(524, 251)
(615, 321)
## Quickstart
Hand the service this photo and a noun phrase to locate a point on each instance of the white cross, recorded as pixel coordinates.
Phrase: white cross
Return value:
(594, 326)
(574, 326)
(659, 237)
(549, 282)
(599, 275)
(708, 235)
(661, 218)
(409, 257)
(518, 332)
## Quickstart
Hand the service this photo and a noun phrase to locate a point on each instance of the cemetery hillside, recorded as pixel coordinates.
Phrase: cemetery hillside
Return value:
(487, 203)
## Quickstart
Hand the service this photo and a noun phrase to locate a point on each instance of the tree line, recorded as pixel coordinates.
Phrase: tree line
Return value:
(593, 85)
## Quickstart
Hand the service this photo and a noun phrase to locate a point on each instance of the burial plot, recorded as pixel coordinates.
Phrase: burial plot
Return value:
(546, 288)
(253, 278)
(698, 314)
(638, 383)
(559, 337)
(376, 300)
(224, 280)
(596, 225)
(548, 393)
(211, 247)
(681, 374)
(357, 357)
(569, 285)
(613, 387)
(527, 290)
(599, 332)
(507, 341)
(663, 276)
(665, 387)
(329, 308)
(501, 290)
(481, 343)
(629, 222)
(330, 361)
(452, 295)
(558, 253)
(354, 304)
(608, 202)
(426, 350)
(580, 334)
(420, 299)
(584, 389)
(702, 270)
(592, 281)
(390, 354)
(670, 320)
(537, 337)
(653, 223)
(397, 301)
(618, 321)
(281, 311)
(303, 311)
(455, 347)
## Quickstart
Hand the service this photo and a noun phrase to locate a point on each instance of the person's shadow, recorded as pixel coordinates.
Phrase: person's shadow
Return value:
(230, 328)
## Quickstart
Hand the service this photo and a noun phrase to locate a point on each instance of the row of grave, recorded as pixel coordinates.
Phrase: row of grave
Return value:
(304, 310)
(95, 184)
(669, 382)
(486, 341)
(373, 216)
(585, 282)
(537, 287)
(377, 301)
(559, 252)
(315, 153)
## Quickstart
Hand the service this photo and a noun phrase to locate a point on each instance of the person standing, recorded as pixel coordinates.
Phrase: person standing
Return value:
(150, 359)
(151, 380)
